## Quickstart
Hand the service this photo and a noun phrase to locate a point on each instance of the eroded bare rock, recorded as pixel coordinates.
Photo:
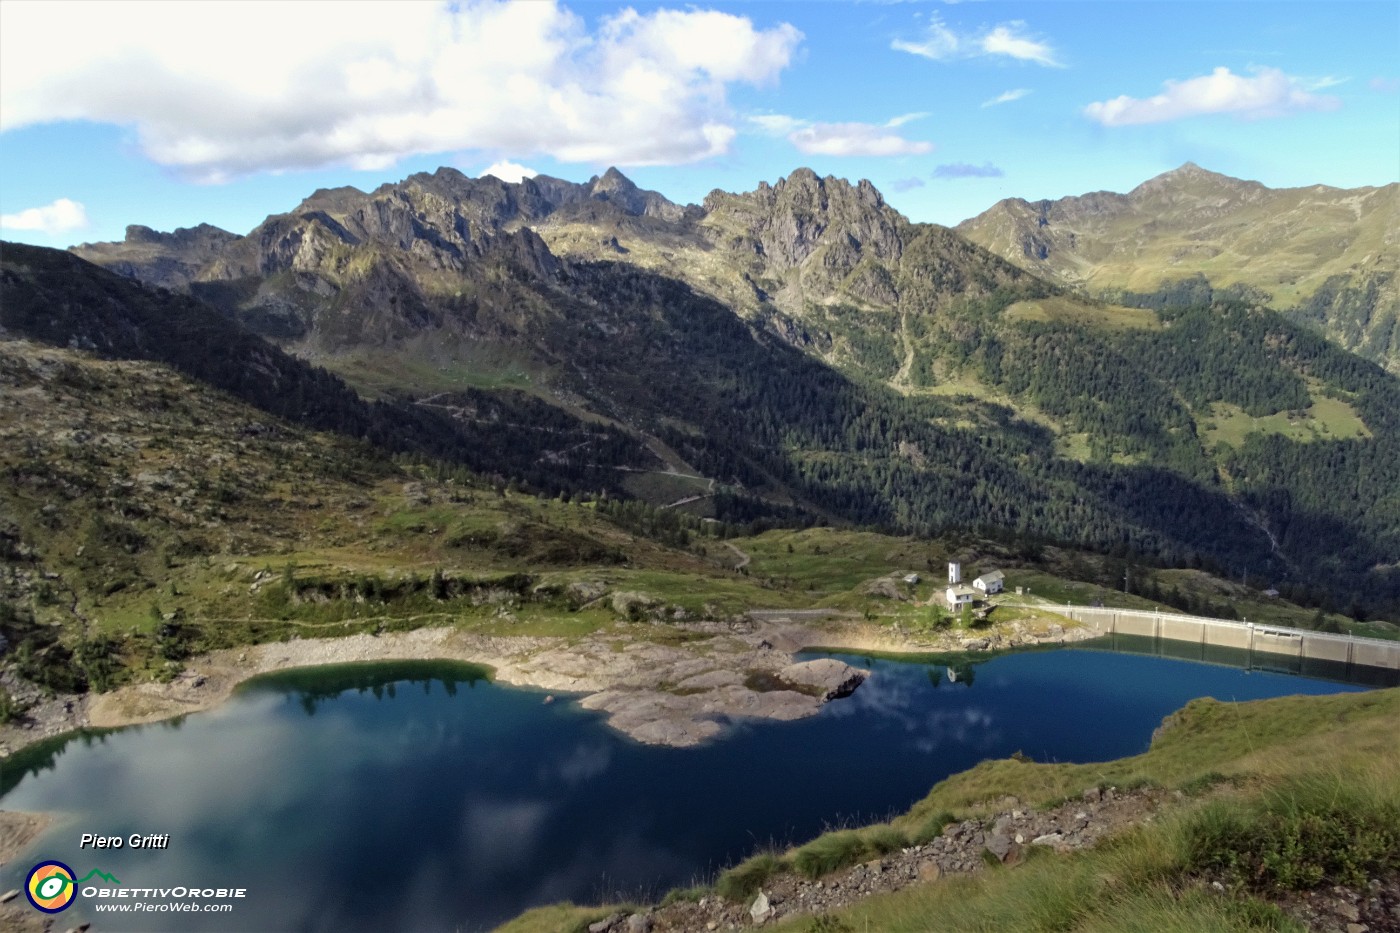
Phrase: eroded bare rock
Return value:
(835, 679)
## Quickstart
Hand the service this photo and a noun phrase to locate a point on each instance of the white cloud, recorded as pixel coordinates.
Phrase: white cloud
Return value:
(858, 139)
(1269, 93)
(218, 89)
(1322, 83)
(776, 124)
(842, 139)
(966, 170)
(509, 171)
(1384, 85)
(1008, 39)
(942, 43)
(725, 47)
(908, 184)
(1006, 97)
(61, 216)
(906, 118)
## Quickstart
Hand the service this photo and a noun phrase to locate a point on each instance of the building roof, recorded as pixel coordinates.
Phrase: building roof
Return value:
(961, 589)
(996, 576)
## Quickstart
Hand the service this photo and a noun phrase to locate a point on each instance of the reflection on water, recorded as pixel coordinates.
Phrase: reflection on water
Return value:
(422, 797)
(316, 685)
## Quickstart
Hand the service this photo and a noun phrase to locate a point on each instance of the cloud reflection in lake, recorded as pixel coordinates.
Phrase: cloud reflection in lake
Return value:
(420, 797)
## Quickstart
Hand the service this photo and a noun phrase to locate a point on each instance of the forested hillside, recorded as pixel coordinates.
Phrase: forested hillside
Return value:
(802, 353)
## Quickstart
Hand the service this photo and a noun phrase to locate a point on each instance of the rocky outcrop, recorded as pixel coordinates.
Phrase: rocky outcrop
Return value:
(802, 215)
(818, 237)
(761, 909)
(439, 264)
(205, 237)
(443, 218)
(619, 190)
(832, 678)
(524, 249)
(168, 260)
(700, 706)
(347, 269)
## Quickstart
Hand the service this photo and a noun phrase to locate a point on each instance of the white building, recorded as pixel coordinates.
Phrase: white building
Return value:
(990, 583)
(960, 595)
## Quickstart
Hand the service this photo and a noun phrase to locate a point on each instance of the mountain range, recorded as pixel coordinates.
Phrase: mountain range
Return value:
(1327, 256)
(799, 353)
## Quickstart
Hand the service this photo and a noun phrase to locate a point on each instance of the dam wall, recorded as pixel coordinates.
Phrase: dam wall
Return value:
(1290, 648)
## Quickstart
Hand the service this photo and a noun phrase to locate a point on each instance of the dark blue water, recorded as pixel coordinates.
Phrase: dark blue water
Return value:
(422, 797)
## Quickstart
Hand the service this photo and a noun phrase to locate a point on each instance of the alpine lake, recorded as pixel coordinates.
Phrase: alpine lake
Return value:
(421, 796)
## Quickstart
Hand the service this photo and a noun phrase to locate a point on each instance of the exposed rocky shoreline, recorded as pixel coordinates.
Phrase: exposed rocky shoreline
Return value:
(676, 686)
(678, 691)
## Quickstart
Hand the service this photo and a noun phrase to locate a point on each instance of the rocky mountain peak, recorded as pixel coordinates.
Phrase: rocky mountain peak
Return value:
(332, 199)
(804, 214)
(611, 180)
(1189, 168)
(805, 184)
(868, 193)
(1190, 177)
(202, 234)
(617, 189)
(803, 177)
(156, 258)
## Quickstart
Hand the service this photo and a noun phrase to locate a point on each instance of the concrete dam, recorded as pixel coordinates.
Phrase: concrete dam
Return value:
(1256, 645)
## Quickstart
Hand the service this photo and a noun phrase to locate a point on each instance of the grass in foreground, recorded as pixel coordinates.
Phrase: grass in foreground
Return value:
(1050, 895)
(1255, 742)
(562, 918)
(1322, 828)
(1278, 795)
(1318, 803)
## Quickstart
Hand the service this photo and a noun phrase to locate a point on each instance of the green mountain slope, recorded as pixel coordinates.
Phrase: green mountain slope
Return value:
(145, 516)
(1328, 255)
(59, 299)
(818, 357)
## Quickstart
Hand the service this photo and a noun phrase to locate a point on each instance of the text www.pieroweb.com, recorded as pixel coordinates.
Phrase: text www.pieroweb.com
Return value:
(162, 900)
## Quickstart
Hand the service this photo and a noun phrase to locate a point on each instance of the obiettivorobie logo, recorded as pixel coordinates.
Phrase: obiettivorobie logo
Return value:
(52, 886)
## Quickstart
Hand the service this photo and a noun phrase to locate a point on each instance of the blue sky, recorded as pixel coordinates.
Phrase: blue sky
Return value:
(170, 115)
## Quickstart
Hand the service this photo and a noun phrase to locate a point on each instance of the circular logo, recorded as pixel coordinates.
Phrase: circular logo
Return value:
(50, 887)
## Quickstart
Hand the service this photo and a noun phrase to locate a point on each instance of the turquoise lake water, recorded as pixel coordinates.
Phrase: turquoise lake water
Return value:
(420, 796)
